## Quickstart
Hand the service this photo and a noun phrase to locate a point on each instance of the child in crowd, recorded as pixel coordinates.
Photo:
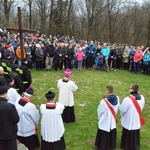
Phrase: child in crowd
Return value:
(80, 57)
(99, 61)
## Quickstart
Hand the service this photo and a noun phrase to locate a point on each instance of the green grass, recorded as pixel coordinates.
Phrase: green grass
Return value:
(81, 135)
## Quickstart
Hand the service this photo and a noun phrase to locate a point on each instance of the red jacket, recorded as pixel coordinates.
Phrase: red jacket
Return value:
(138, 56)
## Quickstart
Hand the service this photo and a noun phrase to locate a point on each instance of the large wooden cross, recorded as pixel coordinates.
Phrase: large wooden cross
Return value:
(20, 30)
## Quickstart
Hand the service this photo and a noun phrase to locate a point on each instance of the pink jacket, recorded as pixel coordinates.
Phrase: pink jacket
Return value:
(80, 55)
(138, 56)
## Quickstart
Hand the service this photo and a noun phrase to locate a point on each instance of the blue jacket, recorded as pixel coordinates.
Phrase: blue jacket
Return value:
(131, 54)
(13, 43)
(91, 50)
(146, 59)
(105, 52)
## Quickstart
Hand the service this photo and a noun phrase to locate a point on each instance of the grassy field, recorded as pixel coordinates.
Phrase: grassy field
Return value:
(81, 135)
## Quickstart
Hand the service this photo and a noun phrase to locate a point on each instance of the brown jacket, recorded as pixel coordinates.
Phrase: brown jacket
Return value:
(18, 53)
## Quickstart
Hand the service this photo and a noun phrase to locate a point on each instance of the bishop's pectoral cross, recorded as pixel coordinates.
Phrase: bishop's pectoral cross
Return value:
(20, 30)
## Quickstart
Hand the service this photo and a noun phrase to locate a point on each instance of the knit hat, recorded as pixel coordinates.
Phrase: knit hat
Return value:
(68, 73)
(50, 95)
(29, 91)
(3, 90)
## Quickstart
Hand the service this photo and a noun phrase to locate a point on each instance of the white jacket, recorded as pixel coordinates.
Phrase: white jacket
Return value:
(52, 127)
(66, 92)
(130, 119)
(106, 121)
(29, 117)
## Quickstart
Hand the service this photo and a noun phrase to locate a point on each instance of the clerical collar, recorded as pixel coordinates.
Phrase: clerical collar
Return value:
(50, 105)
(136, 95)
(65, 79)
(23, 101)
(133, 92)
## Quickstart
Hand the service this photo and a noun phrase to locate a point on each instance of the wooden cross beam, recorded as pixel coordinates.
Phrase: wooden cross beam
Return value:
(20, 30)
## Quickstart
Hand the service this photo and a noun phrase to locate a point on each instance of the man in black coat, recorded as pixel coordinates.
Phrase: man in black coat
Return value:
(61, 51)
(49, 56)
(25, 74)
(70, 56)
(17, 78)
(8, 122)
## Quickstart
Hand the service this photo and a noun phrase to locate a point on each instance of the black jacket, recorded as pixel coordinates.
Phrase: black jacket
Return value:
(50, 51)
(63, 52)
(8, 120)
(26, 76)
(18, 82)
(2, 81)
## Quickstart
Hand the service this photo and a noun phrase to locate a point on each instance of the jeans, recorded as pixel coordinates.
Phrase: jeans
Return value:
(114, 64)
(19, 62)
(79, 65)
(49, 62)
(136, 66)
(106, 64)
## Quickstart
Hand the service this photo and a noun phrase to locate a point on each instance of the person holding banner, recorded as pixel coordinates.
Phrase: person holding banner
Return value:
(106, 134)
(131, 119)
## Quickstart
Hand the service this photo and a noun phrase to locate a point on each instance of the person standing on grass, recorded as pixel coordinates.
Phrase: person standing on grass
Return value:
(61, 51)
(113, 58)
(66, 89)
(8, 122)
(25, 73)
(29, 117)
(146, 62)
(125, 59)
(52, 127)
(106, 134)
(137, 59)
(106, 52)
(131, 119)
(131, 55)
(39, 55)
(91, 51)
(49, 56)
(80, 57)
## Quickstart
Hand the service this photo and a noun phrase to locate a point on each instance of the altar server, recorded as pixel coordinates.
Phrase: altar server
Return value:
(106, 134)
(52, 127)
(131, 119)
(29, 117)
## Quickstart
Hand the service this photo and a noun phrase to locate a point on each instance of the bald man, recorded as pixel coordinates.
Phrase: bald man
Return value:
(2, 78)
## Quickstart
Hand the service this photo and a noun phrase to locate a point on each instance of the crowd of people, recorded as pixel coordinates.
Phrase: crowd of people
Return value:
(20, 117)
(58, 52)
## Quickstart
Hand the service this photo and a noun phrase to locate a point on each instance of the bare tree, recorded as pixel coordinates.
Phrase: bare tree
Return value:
(6, 6)
(29, 4)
